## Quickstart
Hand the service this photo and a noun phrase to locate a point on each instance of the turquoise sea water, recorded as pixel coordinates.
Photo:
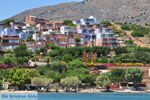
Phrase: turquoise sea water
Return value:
(93, 96)
(75, 96)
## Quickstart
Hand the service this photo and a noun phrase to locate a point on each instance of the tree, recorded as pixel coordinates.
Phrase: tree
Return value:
(52, 46)
(104, 81)
(143, 57)
(71, 82)
(148, 36)
(77, 40)
(77, 52)
(100, 51)
(20, 76)
(127, 58)
(22, 54)
(38, 51)
(1, 53)
(8, 61)
(106, 23)
(40, 81)
(8, 21)
(103, 60)
(58, 67)
(30, 39)
(77, 64)
(55, 70)
(66, 22)
(67, 58)
(117, 75)
(33, 73)
(22, 60)
(120, 50)
(125, 27)
(129, 42)
(22, 51)
(137, 34)
(69, 23)
(1, 74)
(134, 75)
(83, 74)
(44, 50)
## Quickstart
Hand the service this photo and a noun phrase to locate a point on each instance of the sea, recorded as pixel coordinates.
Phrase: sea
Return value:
(93, 96)
(76, 96)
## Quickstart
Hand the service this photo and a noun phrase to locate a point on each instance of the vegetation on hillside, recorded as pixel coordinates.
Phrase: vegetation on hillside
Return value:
(138, 31)
(70, 63)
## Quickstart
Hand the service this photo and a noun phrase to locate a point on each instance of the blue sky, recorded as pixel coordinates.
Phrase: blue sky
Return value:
(10, 8)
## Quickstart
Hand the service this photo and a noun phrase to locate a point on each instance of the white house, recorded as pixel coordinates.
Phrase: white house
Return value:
(24, 36)
(38, 37)
(8, 32)
(91, 20)
(67, 29)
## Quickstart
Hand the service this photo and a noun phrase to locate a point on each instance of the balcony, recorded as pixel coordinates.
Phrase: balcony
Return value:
(8, 44)
(113, 41)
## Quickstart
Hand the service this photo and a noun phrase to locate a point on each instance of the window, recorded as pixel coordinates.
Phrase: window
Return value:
(13, 41)
(53, 38)
(10, 30)
(82, 41)
(62, 42)
(5, 41)
(71, 41)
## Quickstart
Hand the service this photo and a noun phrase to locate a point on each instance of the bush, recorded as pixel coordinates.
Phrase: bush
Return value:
(129, 42)
(125, 27)
(40, 81)
(77, 64)
(67, 58)
(134, 75)
(69, 23)
(8, 21)
(71, 82)
(52, 46)
(137, 34)
(117, 75)
(106, 23)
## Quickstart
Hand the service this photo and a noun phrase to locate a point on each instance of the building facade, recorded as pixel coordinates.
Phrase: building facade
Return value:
(88, 21)
(67, 30)
(35, 45)
(105, 37)
(9, 42)
(8, 32)
(33, 20)
(65, 40)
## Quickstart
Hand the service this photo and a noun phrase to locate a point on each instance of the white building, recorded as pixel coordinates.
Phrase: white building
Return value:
(105, 37)
(24, 36)
(38, 37)
(67, 29)
(90, 21)
(8, 32)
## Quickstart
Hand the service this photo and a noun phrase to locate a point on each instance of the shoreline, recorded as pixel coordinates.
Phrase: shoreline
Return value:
(19, 92)
(83, 91)
(115, 91)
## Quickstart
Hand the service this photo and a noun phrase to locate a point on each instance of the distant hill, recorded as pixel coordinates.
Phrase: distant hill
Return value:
(134, 11)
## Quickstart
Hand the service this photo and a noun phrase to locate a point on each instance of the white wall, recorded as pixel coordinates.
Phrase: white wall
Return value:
(9, 32)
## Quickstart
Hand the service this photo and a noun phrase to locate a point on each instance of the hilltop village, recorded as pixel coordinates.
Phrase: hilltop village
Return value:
(36, 33)
(72, 55)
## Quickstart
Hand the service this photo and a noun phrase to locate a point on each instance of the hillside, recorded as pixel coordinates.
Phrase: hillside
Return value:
(141, 36)
(134, 11)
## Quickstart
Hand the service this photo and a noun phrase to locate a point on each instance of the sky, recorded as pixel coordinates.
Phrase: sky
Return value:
(9, 8)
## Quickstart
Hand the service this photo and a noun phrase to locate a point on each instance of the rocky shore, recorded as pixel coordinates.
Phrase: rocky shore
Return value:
(92, 90)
